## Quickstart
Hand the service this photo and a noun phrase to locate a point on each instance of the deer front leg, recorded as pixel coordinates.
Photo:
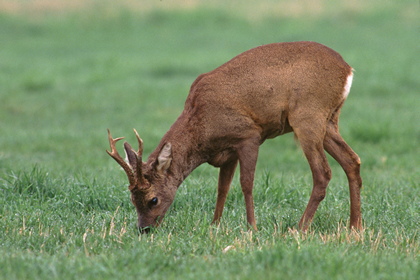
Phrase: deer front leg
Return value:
(225, 179)
(248, 154)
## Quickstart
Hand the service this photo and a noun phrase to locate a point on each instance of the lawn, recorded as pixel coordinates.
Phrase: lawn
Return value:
(70, 70)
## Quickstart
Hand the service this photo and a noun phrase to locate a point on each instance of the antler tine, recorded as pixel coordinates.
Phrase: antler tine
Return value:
(140, 141)
(139, 158)
(116, 156)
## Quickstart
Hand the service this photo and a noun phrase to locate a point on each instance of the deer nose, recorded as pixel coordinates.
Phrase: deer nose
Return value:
(143, 226)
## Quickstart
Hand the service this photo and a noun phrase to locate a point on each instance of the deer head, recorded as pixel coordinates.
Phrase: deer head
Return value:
(147, 182)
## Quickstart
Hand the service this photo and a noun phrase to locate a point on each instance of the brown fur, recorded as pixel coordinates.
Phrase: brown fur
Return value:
(260, 94)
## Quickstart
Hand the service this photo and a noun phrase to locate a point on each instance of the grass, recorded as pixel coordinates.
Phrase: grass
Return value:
(69, 73)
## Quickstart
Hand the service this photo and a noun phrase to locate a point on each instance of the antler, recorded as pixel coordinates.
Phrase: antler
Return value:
(135, 158)
(139, 156)
(140, 150)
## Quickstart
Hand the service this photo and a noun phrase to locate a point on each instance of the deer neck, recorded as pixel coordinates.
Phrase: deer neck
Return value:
(186, 155)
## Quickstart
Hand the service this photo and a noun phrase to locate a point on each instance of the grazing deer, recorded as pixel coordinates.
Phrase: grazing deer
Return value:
(260, 94)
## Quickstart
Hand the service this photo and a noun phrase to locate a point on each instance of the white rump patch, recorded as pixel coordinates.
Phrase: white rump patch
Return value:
(347, 86)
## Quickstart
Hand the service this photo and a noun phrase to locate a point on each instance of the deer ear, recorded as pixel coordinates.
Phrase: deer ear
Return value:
(164, 158)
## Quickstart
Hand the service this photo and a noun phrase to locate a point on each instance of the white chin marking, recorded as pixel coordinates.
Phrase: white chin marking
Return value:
(347, 86)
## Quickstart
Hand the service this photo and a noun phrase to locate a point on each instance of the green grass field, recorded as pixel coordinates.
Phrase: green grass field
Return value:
(70, 71)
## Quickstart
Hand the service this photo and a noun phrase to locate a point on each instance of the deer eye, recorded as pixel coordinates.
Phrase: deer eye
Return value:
(153, 201)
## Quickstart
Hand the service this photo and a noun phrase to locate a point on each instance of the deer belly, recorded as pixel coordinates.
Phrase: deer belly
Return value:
(222, 158)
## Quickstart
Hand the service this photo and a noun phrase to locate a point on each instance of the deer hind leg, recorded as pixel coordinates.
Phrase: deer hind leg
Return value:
(311, 136)
(335, 145)
(225, 179)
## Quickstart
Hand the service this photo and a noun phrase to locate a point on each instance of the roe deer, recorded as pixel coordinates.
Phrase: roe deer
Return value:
(229, 112)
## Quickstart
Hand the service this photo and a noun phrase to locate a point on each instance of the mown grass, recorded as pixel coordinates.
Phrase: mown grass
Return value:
(65, 210)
